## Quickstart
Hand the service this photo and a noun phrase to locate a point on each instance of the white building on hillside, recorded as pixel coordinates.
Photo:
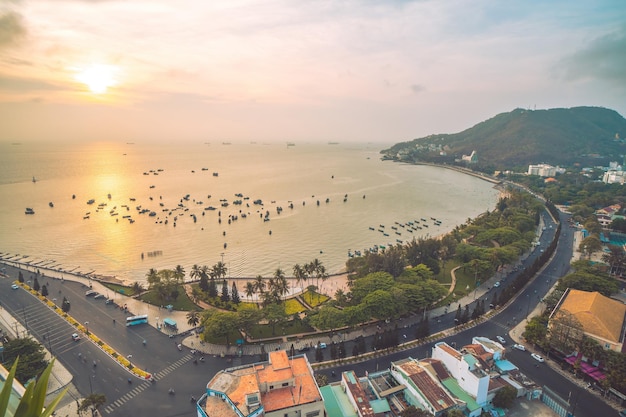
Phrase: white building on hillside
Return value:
(542, 170)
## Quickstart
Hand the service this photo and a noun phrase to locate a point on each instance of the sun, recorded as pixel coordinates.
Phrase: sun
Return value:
(97, 77)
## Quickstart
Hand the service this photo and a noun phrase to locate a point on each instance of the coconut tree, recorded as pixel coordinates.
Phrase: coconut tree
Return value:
(193, 318)
(219, 270)
(179, 274)
(299, 273)
(196, 272)
(250, 289)
(92, 402)
(259, 284)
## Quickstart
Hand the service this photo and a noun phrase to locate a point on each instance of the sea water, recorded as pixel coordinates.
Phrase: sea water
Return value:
(322, 201)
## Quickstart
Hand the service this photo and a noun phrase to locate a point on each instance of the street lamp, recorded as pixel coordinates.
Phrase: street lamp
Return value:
(87, 326)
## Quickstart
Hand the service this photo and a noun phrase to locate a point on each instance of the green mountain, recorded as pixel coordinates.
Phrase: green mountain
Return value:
(579, 135)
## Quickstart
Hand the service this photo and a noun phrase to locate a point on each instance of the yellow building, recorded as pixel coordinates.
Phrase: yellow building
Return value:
(602, 318)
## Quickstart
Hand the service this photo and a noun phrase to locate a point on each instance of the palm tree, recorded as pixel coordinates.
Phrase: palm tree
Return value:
(259, 284)
(153, 277)
(93, 401)
(219, 270)
(179, 274)
(299, 273)
(250, 289)
(281, 285)
(193, 318)
(196, 272)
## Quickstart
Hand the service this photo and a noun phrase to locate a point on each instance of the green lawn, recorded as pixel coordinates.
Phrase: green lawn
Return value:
(182, 303)
(293, 306)
(444, 276)
(121, 289)
(264, 331)
(313, 298)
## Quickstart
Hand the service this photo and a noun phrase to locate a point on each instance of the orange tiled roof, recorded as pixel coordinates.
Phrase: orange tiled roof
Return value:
(432, 391)
(599, 315)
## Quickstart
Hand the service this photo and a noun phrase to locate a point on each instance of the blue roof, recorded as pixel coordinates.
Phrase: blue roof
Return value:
(505, 366)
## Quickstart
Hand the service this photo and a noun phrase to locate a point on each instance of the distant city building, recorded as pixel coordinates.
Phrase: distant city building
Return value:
(282, 386)
(607, 214)
(542, 170)
(614, 177)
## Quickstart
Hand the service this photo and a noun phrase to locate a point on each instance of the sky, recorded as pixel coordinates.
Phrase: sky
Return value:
(306, 70)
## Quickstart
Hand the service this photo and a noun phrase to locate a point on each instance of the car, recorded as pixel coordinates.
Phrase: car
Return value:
(304, 349)
(501, 339)
(519, 347)
(75, 337)
(321, 346)
(15, 286)
(536, 357)
(622, 413)
(497, 284)
(89, 293)
(98, 295)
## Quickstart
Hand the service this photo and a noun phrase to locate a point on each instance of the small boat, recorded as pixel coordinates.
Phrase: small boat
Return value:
(91, 201)
(29, 211)
(34, 179)
(51, 204)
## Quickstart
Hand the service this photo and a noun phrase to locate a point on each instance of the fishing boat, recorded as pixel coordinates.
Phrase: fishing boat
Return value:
(34, 179)
(29, 211)
(51, 204)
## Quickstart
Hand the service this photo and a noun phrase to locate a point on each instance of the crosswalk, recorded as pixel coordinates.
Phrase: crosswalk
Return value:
(144, 385)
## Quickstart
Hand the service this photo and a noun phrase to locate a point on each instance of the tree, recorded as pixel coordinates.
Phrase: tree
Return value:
(504, 397)
(20, 277)
(220, 324)
(193, 318)
(196, 272)
(44, 290)
(412, 411)
(250, 289)
(65, 305)
(341, 351)
(212, 287)
(93, 402)
(328, 318)
(225, 296)
(234, 294)
(179, 274)
(32, 358)
(137, 287)
(274, 314)
(32, 402)
(536, 330)
(36, 285)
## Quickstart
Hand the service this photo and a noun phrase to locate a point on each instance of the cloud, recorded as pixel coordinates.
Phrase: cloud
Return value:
(603, 59)
(16, 84)
(12, 29)
(417, 88)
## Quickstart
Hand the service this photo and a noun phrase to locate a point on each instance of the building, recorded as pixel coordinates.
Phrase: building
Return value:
(281, 387)
(614, 177)
(542, 170)
(602, 318)
(606, 215)
(471, 158)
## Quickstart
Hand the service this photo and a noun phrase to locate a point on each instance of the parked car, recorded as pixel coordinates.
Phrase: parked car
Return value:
(497, 284)
(15, 286)
(519, 347)
(304, 349)
(536, 357)
(321, 346)
(501, 339)
(89, 293)
(75, 337)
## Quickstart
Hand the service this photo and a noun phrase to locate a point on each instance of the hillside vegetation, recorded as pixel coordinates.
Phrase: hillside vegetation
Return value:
(585, 135)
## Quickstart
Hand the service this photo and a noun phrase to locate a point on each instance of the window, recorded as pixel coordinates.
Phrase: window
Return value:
(285, 384)
(313, 413)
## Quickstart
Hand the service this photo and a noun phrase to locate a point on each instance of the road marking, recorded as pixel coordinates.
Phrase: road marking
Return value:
(144, 385)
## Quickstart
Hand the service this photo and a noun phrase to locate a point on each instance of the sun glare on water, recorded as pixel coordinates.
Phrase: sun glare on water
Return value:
(98, 78)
